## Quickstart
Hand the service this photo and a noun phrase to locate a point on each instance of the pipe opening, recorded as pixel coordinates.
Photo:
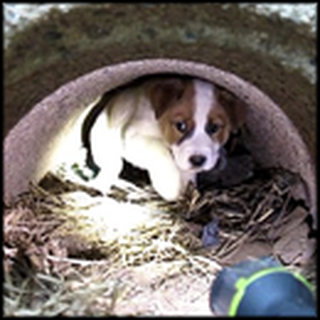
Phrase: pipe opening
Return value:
(261, 213)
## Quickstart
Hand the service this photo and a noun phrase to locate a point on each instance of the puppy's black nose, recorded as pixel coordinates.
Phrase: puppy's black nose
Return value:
(197, 160)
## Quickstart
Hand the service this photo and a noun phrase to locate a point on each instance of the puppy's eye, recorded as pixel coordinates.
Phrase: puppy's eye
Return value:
(212, 128)
(181, 126)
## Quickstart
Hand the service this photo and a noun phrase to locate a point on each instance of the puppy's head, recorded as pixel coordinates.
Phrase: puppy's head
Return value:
(196, 119)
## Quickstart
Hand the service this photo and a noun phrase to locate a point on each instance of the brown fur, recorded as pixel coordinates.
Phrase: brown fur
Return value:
(235, 107)
(219, 116)
(173, 101)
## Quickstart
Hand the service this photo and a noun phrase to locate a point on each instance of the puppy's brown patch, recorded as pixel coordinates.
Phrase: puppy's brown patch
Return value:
(234, 107)
(173, 101)
(164, 92)
(219, 118)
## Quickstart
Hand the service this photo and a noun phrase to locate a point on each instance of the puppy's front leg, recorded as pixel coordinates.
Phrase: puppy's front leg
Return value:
(151, 154)
(106, 150)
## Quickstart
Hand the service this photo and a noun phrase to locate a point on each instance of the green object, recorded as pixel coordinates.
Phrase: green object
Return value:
(261, 287)
(85, 173)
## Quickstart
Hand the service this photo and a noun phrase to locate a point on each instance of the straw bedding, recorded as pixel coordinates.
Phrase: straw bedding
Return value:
(70, 251)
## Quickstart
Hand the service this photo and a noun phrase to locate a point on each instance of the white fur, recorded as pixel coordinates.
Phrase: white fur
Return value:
(199, 143)
(131, 131)
(141, 144)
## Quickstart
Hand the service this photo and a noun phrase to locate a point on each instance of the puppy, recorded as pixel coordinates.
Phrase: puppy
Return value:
(172, 126)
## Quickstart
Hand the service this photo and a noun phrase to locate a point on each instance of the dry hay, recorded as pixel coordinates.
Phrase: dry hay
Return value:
(65, 253)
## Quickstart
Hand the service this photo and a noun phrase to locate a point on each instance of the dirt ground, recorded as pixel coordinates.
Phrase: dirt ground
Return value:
(64, 248)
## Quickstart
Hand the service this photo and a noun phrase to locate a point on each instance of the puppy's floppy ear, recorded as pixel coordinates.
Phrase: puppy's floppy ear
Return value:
(234, 106)
(164, 92)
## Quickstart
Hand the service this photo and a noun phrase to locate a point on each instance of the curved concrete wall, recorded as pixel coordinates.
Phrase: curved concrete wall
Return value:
(31, 147)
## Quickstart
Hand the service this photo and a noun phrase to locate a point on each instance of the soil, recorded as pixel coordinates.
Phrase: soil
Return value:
(62, 47)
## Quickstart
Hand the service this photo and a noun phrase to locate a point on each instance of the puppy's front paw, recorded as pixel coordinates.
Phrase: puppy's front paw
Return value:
(101, 184)
(169, 186)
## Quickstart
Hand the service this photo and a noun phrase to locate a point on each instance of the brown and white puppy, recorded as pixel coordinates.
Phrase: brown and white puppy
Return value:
(172, 126)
